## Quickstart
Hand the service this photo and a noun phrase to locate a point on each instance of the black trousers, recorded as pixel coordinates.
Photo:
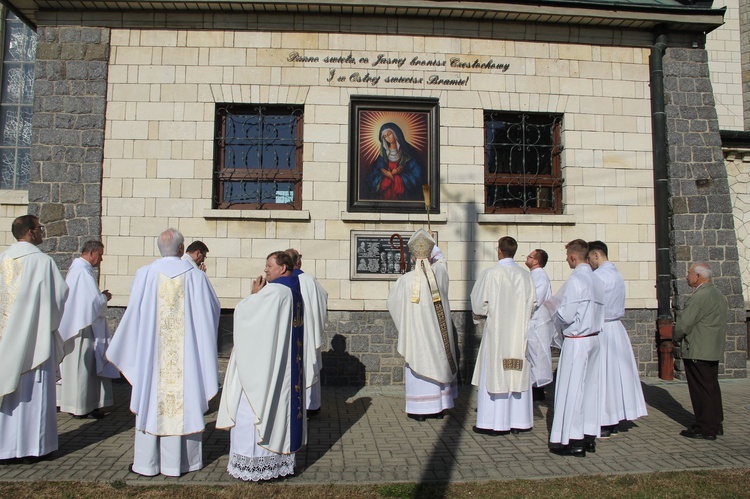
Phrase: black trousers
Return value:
(705, 394)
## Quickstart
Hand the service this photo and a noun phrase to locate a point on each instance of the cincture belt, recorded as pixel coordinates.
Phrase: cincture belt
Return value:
(611, 320)
(587, 336)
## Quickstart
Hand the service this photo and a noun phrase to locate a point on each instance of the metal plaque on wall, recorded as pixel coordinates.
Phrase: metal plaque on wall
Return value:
(376, 255)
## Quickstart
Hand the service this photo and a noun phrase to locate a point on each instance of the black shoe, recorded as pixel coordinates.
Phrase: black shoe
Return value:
(311, 413)
(567, 450)
(34, 459)
(697, 434)
(417, 417)
(96, 414)
(606, 432)
(516, 431)
(487, 431)
(719, 432)
(589, 446)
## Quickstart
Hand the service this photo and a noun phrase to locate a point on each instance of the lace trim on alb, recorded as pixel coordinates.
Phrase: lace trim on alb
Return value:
(260, 468)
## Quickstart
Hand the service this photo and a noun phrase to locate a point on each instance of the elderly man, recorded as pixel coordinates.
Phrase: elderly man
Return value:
(578, 310)
(419, 306)
(85, 386)
(505, 296)
(165, 346)
(315, 300)
(619, 385)
(701, 329)
(263, 398)
(196, 253)
(32, 296)
(540, 340)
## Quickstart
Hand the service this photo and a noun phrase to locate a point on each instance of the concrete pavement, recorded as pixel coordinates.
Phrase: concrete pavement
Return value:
(363, 436)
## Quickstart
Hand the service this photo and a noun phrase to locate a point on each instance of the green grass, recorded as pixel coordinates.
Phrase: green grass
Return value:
(678, 485)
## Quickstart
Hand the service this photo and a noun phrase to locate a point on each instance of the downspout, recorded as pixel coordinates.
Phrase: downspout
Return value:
(664, 322)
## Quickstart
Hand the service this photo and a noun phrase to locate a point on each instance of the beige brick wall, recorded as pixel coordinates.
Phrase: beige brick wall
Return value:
(725, 64)
(12, 204)
(159, 153)
(738, 176)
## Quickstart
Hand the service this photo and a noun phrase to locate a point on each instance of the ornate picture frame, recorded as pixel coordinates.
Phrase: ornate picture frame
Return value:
(393, 153)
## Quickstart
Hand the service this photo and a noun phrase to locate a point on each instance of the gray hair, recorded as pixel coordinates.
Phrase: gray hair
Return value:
(91, 245)
(169, 242)
(703, 270)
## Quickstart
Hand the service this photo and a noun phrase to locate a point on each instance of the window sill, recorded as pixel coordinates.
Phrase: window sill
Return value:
(531, 219)
(14, 197)
(392, 217)
(292, 215)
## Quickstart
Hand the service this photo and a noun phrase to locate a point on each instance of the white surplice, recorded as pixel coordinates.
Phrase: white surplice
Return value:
(620, 385)
(505, 295)
(430, 381)
(85, 382)
(578, 309)
(166, 346)
(315, 298)
(32, 298)
(258, 387)
(539, 351)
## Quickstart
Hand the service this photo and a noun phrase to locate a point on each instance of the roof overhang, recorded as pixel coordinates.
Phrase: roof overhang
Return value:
(619, 15)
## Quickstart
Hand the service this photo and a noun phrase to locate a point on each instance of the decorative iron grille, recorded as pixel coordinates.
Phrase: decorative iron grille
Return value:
(16, 103)
(522, 162)
(258, 157)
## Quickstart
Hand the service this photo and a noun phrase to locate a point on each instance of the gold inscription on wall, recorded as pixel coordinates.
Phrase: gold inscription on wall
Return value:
(398, 70)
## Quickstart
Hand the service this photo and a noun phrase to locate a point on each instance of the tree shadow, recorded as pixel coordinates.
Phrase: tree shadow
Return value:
(436, 474)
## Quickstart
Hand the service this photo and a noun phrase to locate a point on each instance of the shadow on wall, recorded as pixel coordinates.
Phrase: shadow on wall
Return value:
(340, 368)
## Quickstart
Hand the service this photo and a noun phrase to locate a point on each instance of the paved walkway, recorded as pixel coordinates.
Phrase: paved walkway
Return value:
(363, 436)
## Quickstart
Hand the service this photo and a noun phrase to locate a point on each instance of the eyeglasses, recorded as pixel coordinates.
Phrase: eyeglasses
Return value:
(40, 228)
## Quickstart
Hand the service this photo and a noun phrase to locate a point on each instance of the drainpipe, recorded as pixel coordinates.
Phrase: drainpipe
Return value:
(664, 324)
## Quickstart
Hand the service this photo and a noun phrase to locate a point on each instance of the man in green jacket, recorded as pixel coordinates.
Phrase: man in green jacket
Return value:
(701, 329)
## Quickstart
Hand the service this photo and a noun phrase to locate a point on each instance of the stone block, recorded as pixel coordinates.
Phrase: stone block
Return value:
(71, 193)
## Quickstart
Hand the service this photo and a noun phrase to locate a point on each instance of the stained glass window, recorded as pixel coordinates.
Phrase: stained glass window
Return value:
(16, 103)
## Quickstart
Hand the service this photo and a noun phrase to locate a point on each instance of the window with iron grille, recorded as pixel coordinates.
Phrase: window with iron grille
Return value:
(258, 157)
(16, 102)
(522, 171)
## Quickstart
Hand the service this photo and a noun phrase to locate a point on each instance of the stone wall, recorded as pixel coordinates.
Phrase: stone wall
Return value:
(360, 347)
(702, 220)
(68, 137)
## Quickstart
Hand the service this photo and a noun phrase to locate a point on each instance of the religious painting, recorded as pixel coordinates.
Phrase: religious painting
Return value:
(393, 155)
(377, 254)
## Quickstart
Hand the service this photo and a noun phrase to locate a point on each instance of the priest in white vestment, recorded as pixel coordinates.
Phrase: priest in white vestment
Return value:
(504, 296)
(539, 351)
(196, 253)
(263, 397)
(166, 347)
(85, 385)
(578, 311)
(32, 298)
(315, 299)
(619, 384)
(418, 304)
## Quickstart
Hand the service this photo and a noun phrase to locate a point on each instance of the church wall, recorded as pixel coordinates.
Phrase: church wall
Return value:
(162, 90)
(725, 59)
(155, 155)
